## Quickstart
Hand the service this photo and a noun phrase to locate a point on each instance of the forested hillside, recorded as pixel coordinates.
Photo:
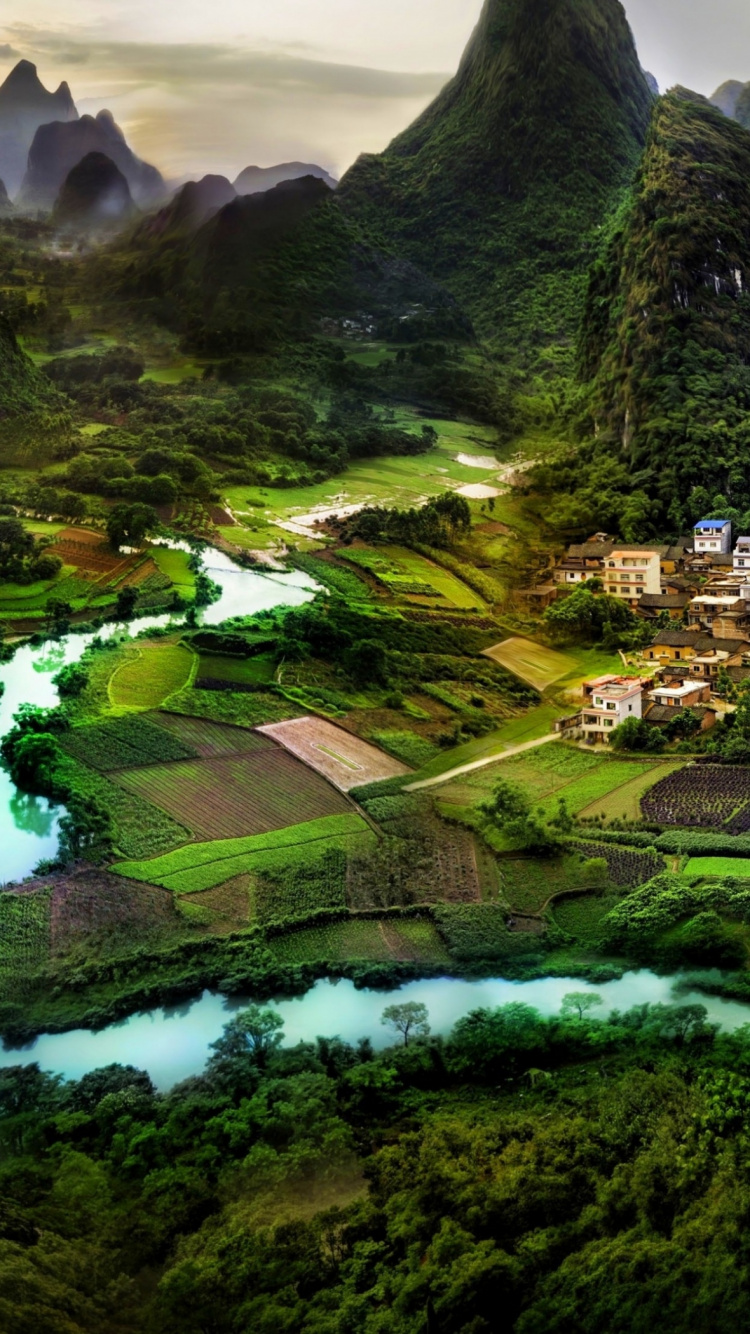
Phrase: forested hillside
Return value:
(499, 188)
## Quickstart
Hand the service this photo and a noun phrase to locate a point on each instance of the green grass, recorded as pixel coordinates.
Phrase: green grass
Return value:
(175, 565)
(199, 866)
(721, 866)
(146, 681)
(606, 779)
(405, 746)
(529, 726)
(527, 884)
(241, 671)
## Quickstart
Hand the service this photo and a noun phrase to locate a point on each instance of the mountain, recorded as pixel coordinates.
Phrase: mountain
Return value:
(192, 205)
(59, 146)
(5, 204)
(666, 341)
(25, 104)
(500, 186)
(95, 196)
(34, 422)
(267, 268)
(733, 98)
(256, 180)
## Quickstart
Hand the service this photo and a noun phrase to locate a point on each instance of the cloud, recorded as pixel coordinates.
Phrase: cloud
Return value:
(7, 52)
(194, 107)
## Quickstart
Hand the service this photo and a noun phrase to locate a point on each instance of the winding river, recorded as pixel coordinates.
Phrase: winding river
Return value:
(28, 825)
(173, 1043)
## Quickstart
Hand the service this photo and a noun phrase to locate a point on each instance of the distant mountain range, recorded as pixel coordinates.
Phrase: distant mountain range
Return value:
(25, 104)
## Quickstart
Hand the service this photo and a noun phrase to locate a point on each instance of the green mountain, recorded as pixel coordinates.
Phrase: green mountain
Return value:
(266, 269)
(34, 425)
(498, 189)
(666, 341)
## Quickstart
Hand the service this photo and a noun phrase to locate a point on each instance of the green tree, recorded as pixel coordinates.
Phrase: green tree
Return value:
(127, 525)
(34, 762)
(71, 680)
(248, 1040)
(409, 1018)
(86, 831)
(579, 1003)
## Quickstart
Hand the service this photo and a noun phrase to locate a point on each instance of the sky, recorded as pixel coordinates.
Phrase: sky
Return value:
(217, 86)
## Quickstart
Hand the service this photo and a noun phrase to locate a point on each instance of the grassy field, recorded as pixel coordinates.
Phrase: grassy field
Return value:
(174, 564)
(242, 671)
(405, 574)
(146, 681)
(399, 481)
(526, 884)
(533, 663)
(736, 866)
(599, 783)
(200, 866)
(529, 726)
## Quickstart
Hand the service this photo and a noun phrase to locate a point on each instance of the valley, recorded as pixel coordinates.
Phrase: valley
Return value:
(375, 714)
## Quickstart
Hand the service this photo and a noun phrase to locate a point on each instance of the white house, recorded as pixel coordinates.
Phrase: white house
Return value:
(741, 557)
(629, 572)
(713, 535)
(609, 701)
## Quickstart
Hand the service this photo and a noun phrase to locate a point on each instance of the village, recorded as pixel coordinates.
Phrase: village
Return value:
(697, 594)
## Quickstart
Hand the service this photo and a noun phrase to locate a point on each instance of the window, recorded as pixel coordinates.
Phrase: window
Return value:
(611, 708)
(630, 708)
(677, 655)
(609, 722)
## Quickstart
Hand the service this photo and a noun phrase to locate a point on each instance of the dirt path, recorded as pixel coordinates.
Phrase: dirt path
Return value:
(480, 764)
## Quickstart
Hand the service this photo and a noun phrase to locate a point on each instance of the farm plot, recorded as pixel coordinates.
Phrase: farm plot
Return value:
(91, 554)
(719, 866)
(526, 884)
(224, 672)
(345, 760)
(235, 795)
(625, 802)
(406, 574)
(200, 866)
(125, 743)
(210, 740)
(702, 796)
(626, 867)
(535, 664)
(146, 681)
(340, 942)
(584, 791)
(96, 903)
(24, 933)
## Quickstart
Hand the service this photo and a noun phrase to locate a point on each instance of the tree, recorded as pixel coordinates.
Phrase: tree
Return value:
(85, 831)
(250, 1037)
(127, 525)
(367, 663)
(509, 810)
(579, 1003)
(595, 871)
(71, 680)
(126, 600)
(636, 735)
(57, 614)
(411, 1017)
(35, 758)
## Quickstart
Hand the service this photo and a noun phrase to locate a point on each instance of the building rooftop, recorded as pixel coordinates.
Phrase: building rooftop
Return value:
(665, 601)
(663, 713)
(704, 525)
(679, 692)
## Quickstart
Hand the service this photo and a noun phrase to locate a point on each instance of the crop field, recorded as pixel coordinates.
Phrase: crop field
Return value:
(239, 671)
(91, 553)
(147, 680)
(124, 743)
(142, 830)
(625, 802)
(345, 760)
(300, 889)
(210, 740)
(582, 916)
(97, 903)
(606, 779)
(233, 795)
(175, 565)
(200, 866)
(24, 932)
(535, 664)
(702, 796)
(721, 866)
(233, 707)
(626, 867)
(342, 942)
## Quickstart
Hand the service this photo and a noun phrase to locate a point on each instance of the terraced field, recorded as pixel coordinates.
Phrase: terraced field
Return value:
(236, 795)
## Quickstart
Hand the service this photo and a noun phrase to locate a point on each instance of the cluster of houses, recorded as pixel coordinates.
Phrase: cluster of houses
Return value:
(703, 584)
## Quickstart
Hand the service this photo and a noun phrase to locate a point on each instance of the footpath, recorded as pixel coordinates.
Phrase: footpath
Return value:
(480, 764)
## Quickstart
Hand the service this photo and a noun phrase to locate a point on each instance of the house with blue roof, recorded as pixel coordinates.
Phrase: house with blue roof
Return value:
(713, 536)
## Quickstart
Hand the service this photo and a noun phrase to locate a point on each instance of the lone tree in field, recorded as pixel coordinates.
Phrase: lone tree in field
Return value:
(127, 525)
(409, 1018)
(579, 1003)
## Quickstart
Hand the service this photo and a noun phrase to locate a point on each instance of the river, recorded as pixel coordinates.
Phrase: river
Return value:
(173, 1043)
(28, 825)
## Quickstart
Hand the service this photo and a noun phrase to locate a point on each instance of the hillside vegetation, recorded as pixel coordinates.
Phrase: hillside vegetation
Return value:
(499, 187)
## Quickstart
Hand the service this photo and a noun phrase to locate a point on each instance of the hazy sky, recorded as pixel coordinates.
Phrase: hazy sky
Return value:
(218, 85)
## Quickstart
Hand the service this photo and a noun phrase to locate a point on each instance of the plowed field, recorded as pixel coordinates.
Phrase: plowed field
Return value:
(231, 796)
(345, 760)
